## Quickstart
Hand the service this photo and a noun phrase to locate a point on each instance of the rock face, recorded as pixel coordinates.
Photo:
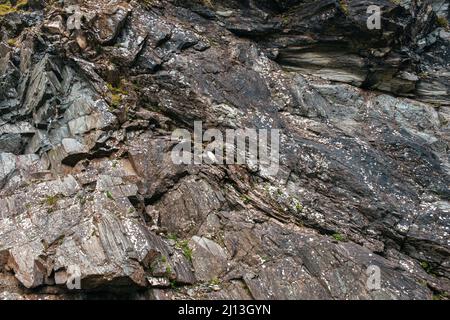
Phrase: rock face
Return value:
(91, 91)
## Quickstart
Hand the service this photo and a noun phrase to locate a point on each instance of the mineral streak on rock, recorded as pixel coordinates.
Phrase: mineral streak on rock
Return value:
(91, 91)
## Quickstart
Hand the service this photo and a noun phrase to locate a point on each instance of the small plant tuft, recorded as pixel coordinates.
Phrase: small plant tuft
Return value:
(168, 272)
(173, 284)
(427, 267)
(116, 94)
(6, 7)
(109, 195)
(246, 199)
(339, 237)
(343, 4)
(442, 22)
(214, 282)
(172, 236)
(11, 42)
(441, 296)
(184, 246)
(51, 201)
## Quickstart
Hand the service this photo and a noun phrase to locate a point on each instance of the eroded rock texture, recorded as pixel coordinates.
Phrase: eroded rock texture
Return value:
(90, 92)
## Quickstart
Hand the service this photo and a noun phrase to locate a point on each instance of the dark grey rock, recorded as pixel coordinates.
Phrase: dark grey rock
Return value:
(87, 180)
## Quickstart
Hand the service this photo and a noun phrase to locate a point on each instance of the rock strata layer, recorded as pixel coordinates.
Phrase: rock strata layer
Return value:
(91, 91)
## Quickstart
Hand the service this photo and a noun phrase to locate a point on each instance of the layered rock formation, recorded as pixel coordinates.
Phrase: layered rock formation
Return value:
(91, 91)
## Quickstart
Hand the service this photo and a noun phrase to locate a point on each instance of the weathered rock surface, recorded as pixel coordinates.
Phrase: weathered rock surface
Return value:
(90, 92)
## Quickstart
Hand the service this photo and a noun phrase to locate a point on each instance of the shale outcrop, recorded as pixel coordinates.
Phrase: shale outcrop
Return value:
(91, 91)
